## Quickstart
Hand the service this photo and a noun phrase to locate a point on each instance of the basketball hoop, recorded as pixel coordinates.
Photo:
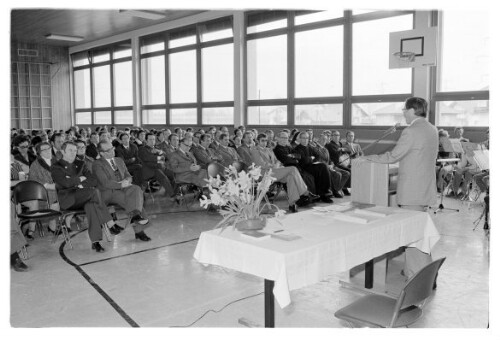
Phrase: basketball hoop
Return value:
(405, 58)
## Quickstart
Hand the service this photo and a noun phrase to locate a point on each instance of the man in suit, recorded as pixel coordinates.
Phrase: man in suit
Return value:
(354, 149)
(336, 149)
(56, 140)
(76, 189)
(244, 149)
(153, 165)
(227, 154)
(309, 162)
(115, 184)
(338, 177)
(204, 154)
(296, 188)
(185, 167)
(416, 151)
(288, 157)
(129, 153)
(92, 147)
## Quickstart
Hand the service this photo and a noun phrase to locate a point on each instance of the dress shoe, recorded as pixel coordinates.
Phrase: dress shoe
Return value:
(338, 194)
(346, 192)
(114, 230)
(326, 199)
(98, 248)
(293, 208)
(313, 197)
(139, 219)
(303, 201)
(19, 265)
(142, 236)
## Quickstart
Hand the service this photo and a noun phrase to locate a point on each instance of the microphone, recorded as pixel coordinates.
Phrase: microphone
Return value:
(386, 133)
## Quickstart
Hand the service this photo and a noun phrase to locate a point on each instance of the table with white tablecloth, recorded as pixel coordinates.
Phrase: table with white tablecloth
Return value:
(327, 245)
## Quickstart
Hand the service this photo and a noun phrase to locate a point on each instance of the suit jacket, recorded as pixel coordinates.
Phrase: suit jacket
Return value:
(163, 146)
(333, 150)
(323, 154)
(245, 154)
(228, 155)
(66, 176)
(92, 151)
(180, 164)
(282, 154)
(205, 156)
(354, 149)
(128, 154)
(149, 158)
(264, 157)
(305, 153)
(416, 152)
(105, 175)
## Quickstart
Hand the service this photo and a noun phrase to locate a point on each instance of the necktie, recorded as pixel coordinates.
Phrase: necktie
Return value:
(113, 165)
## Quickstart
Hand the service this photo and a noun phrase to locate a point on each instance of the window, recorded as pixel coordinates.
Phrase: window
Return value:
(370, 65)
(102, 86)
(308, 17)
(154, 117)
(464, 69)
(102, 80)
(462, 113)
(267, 115)
(218, 116)
(183, 116)
(318, 114)
(265, 21)
(182, 37)
(153, 80)
(182, 68)
(267, 68)
(217, 73)
(377, 113)
(319, 62)
(216, 30)
(82, 88)
(123, 93)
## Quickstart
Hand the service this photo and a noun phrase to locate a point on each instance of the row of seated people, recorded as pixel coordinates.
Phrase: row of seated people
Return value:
(461, 174)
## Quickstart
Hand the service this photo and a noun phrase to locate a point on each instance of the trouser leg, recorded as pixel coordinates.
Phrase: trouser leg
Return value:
(164, 181)
(345, 180)
(136, 171)
(335, 180)
(415, 259)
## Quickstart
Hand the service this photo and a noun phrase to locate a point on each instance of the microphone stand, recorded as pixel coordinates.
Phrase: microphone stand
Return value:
(441, 207)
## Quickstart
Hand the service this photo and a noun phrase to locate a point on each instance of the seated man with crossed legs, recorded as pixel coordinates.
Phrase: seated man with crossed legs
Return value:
(115, 184)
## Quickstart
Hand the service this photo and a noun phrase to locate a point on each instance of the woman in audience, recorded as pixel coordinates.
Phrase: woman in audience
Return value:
(23, 155)
(40, 172)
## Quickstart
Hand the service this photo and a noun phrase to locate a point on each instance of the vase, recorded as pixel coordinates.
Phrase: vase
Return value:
(251, 224)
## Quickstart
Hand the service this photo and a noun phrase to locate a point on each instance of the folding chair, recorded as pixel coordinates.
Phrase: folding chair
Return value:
(383, 311)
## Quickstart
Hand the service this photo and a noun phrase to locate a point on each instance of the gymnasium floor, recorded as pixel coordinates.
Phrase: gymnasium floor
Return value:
(160, 284)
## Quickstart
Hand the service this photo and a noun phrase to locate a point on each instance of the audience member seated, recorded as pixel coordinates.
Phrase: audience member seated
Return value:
(264, 157)
(204, 154)
(115, 184)
(184, 166)
(464, 172)
(308, 161)
(140, 141)
(271, 143)
(129, 153)
(153, 165)
(76, 189)
(23, 156)
(244, 149)
(336, 149)
(227, 154)
(91, 150)
(173, 144)
(40, 172)
(161, 143)
(80, 154)
(354, 149)
(459, 132)
(338, 177)
(444, 169)
(236, 133)
(288, 157)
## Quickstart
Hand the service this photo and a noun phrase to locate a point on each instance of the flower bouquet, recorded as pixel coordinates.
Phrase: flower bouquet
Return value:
(240, 196)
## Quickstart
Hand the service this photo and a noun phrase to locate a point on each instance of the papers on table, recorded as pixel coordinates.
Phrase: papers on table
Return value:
(255, 235)
(353, 212)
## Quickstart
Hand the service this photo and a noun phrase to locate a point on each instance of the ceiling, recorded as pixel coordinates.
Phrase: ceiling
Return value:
(33, 25)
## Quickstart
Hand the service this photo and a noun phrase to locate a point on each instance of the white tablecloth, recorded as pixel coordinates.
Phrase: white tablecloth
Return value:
(327, 246)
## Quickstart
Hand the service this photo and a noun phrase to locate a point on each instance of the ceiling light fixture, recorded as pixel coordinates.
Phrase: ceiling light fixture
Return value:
(143, 14)
(63, 37)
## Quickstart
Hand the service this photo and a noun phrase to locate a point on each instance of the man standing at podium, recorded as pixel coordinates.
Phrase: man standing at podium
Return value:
(416, 152)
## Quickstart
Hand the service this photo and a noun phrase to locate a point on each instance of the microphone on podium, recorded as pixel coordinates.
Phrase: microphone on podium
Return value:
(388, 132)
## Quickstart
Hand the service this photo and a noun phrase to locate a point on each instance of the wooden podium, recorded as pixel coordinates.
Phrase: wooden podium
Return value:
(374, 183)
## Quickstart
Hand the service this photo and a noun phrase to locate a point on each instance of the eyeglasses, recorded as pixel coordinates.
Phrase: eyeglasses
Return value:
(108, 150)
(263, 140)
(45, 149)
(82, 147)
(23, 146)
(336, 134)
(404, 109)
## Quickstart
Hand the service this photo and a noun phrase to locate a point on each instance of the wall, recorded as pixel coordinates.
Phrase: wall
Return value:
(58, 57)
